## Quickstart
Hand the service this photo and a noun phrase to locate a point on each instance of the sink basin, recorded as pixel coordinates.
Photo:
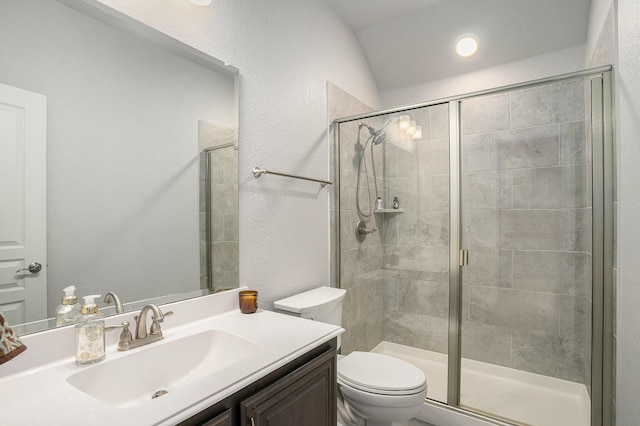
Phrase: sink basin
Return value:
(161, 366)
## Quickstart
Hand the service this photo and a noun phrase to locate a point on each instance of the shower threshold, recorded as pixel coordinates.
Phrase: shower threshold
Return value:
(501, 392)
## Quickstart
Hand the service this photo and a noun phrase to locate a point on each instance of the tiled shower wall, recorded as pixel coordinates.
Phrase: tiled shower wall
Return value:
(361, 272)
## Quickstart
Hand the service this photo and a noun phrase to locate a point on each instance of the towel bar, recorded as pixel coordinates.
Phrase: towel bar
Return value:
(257, 172)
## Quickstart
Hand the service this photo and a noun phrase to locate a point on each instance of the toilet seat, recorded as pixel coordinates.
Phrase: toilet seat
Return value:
(380, 374)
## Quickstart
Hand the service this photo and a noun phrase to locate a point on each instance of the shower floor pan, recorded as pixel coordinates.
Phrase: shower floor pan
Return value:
(501, 392)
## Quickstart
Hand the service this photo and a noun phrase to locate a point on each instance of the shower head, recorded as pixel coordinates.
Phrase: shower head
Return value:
(377, 136)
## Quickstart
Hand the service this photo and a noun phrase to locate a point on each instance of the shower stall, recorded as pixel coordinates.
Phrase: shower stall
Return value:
(487, 261)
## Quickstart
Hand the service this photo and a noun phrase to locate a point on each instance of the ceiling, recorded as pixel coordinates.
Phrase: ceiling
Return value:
(408, 42)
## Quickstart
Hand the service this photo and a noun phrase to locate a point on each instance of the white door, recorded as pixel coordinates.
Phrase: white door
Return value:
(23, 129)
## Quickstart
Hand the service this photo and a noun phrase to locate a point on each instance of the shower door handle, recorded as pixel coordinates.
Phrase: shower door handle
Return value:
(464, 257)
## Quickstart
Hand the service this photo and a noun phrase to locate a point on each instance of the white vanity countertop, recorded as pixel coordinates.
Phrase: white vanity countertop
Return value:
(34, 383)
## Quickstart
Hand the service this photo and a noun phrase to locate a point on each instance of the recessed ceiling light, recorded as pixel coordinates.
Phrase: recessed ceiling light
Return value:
(467, 45)
(201, 2)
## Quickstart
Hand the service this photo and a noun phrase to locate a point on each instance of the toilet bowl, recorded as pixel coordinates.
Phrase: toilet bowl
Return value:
(373, 389)
(377, 389)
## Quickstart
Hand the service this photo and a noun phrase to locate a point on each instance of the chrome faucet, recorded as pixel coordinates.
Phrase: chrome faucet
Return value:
(142, 338)
(112, 297)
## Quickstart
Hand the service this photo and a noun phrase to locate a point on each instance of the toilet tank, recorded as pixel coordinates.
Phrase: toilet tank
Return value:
(320, 304)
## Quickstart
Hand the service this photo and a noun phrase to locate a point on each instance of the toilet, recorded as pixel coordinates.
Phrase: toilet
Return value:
(373, 389)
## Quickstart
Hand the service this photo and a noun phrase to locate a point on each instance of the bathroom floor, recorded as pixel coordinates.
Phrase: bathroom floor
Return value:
(503, 392)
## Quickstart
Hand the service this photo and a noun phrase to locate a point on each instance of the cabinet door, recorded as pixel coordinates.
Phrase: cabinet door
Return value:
(307, 397)
(223, 419)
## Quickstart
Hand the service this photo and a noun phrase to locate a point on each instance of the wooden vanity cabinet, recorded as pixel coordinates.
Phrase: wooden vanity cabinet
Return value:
(305, 396)
(303, 392)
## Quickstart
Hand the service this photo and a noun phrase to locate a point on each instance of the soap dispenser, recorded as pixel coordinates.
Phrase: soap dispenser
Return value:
(69, 310)
(90, 333)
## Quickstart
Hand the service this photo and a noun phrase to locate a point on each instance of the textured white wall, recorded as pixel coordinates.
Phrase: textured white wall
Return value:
(560, 62)
(286, 51)
(628, 289)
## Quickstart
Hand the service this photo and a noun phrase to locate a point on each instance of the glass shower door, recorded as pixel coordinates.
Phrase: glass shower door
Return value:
(526, 223)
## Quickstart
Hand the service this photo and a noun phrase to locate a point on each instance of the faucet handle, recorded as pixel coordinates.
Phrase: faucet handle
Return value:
(155, 324)
(162, 316)
(125, 337)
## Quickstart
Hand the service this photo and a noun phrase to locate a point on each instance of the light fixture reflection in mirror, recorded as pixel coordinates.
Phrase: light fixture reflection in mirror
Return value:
(122, 153)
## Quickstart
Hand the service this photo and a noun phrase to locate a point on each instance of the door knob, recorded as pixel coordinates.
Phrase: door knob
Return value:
(34, 268)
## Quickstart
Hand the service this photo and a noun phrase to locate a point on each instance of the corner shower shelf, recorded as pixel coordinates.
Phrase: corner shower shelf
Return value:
(389, 211)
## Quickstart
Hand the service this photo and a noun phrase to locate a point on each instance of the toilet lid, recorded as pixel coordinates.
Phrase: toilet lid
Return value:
(379, 373)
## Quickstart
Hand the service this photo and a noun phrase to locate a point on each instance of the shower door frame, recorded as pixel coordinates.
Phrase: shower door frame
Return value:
(602, 353)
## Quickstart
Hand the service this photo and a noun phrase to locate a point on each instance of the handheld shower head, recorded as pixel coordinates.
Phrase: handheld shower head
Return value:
(377, 136)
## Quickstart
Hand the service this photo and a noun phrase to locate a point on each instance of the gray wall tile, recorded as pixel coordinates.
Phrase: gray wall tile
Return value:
(529, 229)
(486, 343)
(407, 163)
(549, 355)
(405, 188)
(479, 190)
(390, 160)
(433, 228)
(439, 121)
(408, 228)
(515, 309)
(573, 147)
(489, 267)
(550, 187)
(485, 114)
(424, 195)
(439, 192)
(480, 228)
(424, 297)
(533, 147)
(433, 156)
(551, 272)
(573, 317)
(548, 104)
(576, 230)
(477, 152)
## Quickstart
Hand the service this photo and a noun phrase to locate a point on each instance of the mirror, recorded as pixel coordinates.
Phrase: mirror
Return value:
(131, 115)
